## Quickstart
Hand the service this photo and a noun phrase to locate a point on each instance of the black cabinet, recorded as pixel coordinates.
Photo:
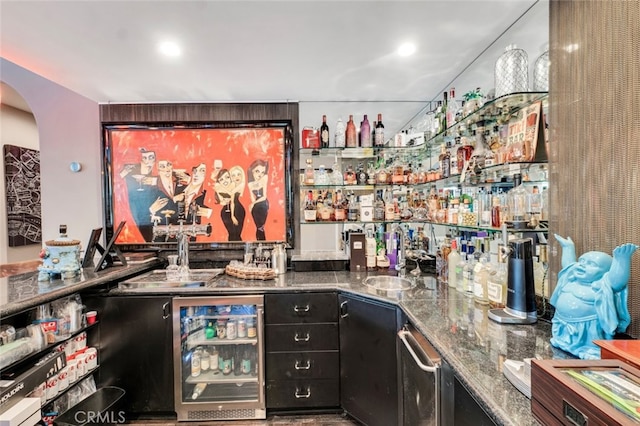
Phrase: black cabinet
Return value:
(302, 351)
(136, 352)
(467, 411)
(368, 360)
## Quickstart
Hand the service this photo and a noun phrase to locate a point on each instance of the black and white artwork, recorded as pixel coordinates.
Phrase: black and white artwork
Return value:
(22, 184)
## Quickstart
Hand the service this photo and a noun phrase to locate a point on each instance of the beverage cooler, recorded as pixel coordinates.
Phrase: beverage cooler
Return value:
(219, 358)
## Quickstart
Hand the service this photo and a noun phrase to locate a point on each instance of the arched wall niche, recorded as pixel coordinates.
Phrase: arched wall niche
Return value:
(19, 129)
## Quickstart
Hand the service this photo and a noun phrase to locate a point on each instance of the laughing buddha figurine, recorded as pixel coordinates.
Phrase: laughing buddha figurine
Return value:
(590, 298)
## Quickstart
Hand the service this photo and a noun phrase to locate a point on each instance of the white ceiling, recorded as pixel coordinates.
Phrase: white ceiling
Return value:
(315, 52)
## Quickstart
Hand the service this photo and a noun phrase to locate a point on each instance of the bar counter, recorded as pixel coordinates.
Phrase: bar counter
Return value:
(459, 329)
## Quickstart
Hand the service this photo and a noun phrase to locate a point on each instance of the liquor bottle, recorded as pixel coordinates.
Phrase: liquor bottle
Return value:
(198, 389)
(340, 134)
(319, 208)
(371, 174)
(463, 155)
(497, 284)
(378, 207)
(310, 208)
(309, 173)
(365, 133)
(496, 220)
(453, 259)
(379, 132)
(328, 214)
(351, 136)
(336, 175)
(350, 177)
(352, 210)
(324, 133)
(439, 118)
(389, 210)
(339, 207)
(445, 161)
(467, 276)
(361, 175)
(480, 278)
(452, 108)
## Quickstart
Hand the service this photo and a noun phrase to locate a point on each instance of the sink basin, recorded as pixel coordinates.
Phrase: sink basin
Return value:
(158, 279)
(388, 283)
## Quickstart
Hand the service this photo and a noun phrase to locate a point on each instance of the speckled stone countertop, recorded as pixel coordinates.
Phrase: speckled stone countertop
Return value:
(24, 291)
(474, 346)
(458, 328)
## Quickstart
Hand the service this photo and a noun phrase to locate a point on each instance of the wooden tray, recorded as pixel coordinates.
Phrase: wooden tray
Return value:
(558, 395)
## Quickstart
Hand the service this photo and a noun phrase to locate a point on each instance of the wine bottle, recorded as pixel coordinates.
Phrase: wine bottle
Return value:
(379, 132)
(351, 135)
(365, 133)
(324, 133)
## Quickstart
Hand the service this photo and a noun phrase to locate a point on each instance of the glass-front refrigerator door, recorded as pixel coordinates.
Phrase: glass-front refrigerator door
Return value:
(218, 357)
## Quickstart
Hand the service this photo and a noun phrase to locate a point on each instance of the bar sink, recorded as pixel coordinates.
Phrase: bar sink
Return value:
(389, 286)
(158, 279)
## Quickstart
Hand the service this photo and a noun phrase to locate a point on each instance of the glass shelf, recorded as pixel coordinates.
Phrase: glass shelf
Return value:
(218, 377)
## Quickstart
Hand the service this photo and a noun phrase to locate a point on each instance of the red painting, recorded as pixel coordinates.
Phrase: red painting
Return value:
(231, 179)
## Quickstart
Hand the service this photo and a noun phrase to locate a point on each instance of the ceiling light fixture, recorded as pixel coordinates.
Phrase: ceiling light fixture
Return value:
(169, 48)
(406, 49)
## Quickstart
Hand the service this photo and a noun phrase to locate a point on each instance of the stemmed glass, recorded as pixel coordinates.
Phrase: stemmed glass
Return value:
(139, 179)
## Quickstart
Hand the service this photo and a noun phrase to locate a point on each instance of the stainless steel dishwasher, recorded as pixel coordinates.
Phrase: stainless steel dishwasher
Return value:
(420, 364)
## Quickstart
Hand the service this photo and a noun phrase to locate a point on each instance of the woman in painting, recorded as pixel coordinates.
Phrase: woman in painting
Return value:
(191, 203)
(232, 213)
(259, 206)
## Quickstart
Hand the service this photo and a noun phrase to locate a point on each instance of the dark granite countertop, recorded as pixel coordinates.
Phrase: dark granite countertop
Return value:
(24, 291)
(459, 330)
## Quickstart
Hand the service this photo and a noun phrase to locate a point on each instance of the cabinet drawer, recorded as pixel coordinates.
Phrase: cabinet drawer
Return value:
(302, 393)
(300, 307)
(301, 337)
(298, 365)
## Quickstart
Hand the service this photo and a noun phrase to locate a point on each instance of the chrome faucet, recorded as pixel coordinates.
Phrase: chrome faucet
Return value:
(401, 261)
(182, 233)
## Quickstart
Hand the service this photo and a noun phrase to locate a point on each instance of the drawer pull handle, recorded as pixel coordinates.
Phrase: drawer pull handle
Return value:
(306, 367)
(297, 338)
(305, 308)
(300, 395)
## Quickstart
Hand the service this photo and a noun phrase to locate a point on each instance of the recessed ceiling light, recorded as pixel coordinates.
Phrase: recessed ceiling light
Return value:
(169, 48)
(407, 49)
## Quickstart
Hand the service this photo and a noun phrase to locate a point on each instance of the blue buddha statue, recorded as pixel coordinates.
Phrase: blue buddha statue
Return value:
(590, 298)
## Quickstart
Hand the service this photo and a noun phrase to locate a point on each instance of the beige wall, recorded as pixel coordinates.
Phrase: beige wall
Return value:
(68, 130)
(595, 130)
(19, 129)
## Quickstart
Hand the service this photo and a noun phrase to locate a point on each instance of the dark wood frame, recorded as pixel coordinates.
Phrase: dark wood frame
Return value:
(212, 113)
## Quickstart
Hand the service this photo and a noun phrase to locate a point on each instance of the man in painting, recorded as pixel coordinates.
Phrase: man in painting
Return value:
(140, 181)
(191, 205)
(259, 207)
